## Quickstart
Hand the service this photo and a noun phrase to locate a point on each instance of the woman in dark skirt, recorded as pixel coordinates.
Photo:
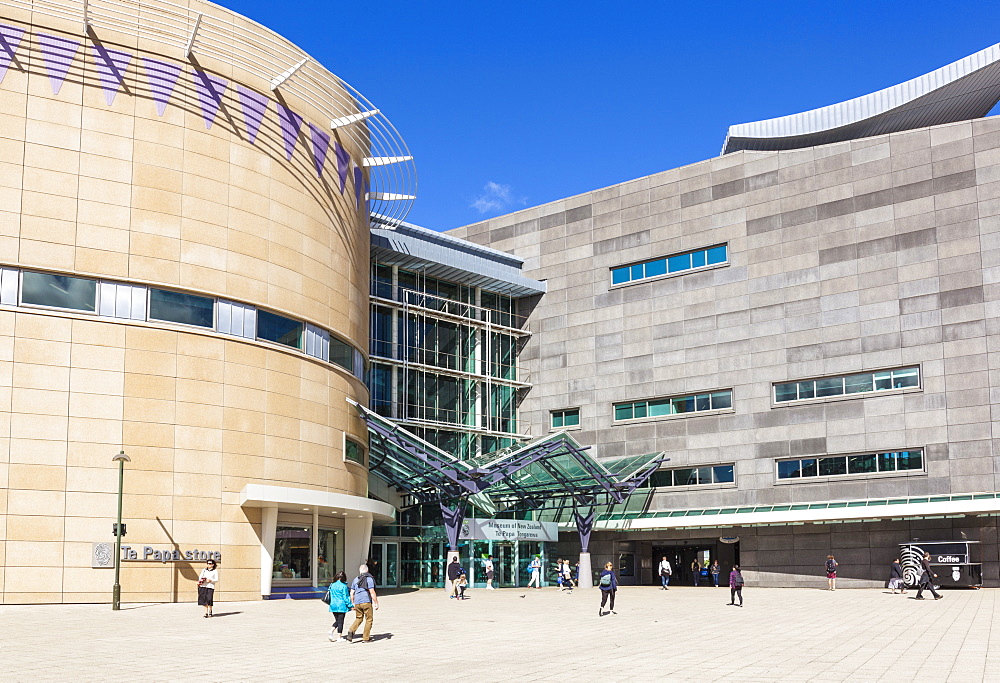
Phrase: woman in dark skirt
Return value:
(206, 586)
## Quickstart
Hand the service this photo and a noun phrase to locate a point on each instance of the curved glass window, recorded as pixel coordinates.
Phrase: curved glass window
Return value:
(279, 329)
(58, 291)
(175, 307)
(354, 451)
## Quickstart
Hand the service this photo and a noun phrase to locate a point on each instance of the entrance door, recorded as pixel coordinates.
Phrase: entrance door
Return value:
(383, 563)
(505, 565)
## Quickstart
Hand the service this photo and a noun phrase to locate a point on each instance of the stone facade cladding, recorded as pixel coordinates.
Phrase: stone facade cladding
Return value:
(93, 189)
(871, 254)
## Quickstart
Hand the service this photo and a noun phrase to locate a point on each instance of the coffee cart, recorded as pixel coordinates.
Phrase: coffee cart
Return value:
(957, 563)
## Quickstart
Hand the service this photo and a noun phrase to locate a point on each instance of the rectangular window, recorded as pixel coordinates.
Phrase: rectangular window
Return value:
(677, 263)
(693, 476)
(857, 465)
(565, 418)
(674, 405)
(59, 291)
(279, 329)
(859, 383)
(342, 354)
(187, 309)
(354, 451)
(119, 300)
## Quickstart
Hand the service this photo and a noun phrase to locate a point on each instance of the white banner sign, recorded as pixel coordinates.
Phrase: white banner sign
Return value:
(509, 530)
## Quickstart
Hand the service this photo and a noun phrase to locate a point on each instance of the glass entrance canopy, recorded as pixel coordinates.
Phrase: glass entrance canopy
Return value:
(548, 472)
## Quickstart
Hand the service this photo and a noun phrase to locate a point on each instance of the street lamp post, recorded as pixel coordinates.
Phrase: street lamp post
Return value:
(116, 593)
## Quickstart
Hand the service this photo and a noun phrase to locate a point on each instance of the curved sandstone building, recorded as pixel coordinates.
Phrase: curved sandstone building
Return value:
(183, 275)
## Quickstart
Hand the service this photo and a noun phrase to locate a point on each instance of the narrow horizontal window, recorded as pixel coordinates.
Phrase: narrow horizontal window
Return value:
(847, 385)
(851, 465)
(275, 328)
(674, 405)
(186, 309)
(565, 418)
(693, 476)
(59, 291)
(677, 263)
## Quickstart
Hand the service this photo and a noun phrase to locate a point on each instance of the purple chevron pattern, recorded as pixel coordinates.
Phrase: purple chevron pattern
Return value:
(58, 53)
(254, 107)
(111, 66)
(343, 164)
(162, 81)
(291, 126)
(359, 182)
(10, 38)
(210, 89)
(321, 145)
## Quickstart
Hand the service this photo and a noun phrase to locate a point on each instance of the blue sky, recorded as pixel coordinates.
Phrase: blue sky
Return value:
(506, 105)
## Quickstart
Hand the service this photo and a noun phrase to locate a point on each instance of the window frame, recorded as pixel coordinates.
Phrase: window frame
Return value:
(563, 412)
(843, 395)
(361, 446)
(45, 307)
(644, 405)
(846, 466)
(149, 309)
(666, 261)
(695, 470)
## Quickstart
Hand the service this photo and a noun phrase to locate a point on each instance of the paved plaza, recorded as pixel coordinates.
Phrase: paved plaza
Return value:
(685, 634)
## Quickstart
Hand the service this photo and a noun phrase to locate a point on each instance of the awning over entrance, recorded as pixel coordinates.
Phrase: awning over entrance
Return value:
(553, 471)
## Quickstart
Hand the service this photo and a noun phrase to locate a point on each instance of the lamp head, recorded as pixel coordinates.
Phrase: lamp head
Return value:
(121, 457)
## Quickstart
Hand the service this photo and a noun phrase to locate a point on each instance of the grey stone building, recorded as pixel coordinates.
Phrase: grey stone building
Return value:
(807, 325)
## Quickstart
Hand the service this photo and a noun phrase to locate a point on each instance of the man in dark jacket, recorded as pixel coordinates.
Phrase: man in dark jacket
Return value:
(896, 577)
(927, 578)
(454, 576)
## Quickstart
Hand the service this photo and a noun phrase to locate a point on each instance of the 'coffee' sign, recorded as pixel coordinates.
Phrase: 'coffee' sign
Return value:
(103, 554)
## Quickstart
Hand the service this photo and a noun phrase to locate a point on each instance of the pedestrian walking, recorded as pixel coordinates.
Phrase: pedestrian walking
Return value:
(454, 572)
(665, 571)
(608, 583)
(559, 575)
(831, 573)
(736, 585)
(927, 578)
(535, 568)
(696, 570)
(488, 566)
(715, 570)
(340, 605)
(567, 575)
(896, 577)
(365, 602)
(463, 583)
(206, 587)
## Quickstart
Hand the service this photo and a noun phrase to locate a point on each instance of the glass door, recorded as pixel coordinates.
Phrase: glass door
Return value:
(505, 565)
(383, 563)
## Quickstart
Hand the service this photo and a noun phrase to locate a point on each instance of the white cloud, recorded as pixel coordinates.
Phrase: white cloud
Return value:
(496, 197)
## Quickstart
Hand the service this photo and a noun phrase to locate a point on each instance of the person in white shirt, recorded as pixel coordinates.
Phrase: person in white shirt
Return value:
(536, 572)
(665, 572)
(206, 586)
(567, 575)
(488, 567)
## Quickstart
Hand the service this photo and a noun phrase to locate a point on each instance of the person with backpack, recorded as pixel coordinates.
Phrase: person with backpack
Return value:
(339, 598)
(365, 602)
(535, 569)
(736, 585)
(927, 578)
(665, 571)
(696, 571)
(831, 572)
(608, 584)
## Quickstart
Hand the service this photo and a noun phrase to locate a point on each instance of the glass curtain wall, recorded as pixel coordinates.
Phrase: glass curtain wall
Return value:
(444, 360)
